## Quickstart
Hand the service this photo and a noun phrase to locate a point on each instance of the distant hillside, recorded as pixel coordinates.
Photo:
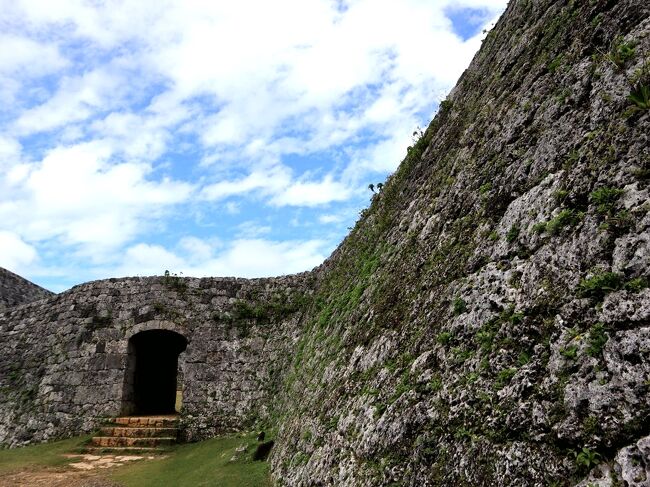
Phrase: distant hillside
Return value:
(15, 290)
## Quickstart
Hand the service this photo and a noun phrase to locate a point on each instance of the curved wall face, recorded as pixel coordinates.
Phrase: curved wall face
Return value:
(64, 360)
(489, 316)
(15, 290)
(486, 323)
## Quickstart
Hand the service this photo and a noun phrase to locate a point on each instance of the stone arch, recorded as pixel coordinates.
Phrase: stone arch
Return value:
(158, 325)
(151, 375)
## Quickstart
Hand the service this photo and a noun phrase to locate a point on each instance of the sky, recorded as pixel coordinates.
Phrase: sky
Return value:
(209, 138)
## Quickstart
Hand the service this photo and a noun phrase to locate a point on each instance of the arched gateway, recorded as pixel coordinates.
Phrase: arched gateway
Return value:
(114, 350)
(151, 374)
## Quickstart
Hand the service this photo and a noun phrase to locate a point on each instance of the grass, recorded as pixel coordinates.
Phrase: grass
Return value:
(605, 199)
(38, 456)
(513, 234)
(597, 340)
(459, 306)
(640, 96)
(566, 218)
(205, 463)
(598, 285)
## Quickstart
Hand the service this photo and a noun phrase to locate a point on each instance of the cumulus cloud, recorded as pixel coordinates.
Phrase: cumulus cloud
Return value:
(284, 190)
(75, 195)
(252, 229)
(146, 259)
(23, 58)
(10, 150)
(326, 219)
(128, 125)
(312, 193)
(250, 257)
(15, 254)
(313, 83)
(32, 57)
(265, 179)
(259, 257)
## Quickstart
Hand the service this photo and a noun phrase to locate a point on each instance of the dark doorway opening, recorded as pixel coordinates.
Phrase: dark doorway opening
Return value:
(150, 383)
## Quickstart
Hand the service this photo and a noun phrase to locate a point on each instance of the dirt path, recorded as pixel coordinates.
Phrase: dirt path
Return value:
(57, 478)
(82, 471)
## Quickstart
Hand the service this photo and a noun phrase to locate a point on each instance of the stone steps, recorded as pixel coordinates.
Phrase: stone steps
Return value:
(167, 421)
(136, 433)
(123, 450)
(119, 441)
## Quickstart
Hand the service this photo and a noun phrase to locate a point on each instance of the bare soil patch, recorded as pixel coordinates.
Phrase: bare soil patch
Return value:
(83, 470)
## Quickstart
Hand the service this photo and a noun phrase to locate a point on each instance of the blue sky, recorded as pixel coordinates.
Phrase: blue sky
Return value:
(209, 138)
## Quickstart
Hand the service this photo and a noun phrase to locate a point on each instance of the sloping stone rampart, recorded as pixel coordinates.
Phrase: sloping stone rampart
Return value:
(15, 290)
(486, 322)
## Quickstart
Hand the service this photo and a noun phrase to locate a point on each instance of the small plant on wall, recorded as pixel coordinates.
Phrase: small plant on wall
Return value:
(175, 282)
(639, 95)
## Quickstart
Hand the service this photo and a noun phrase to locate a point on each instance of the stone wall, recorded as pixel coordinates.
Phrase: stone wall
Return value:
(487, 321)
(63, 360)
(15, 290)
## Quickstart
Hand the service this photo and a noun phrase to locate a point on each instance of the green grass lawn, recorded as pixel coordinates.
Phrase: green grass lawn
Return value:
(206, 463)
(43, 455)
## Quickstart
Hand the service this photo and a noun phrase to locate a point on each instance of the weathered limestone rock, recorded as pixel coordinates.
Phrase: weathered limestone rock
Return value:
(486, 323)
(64, 359)
(15, 290)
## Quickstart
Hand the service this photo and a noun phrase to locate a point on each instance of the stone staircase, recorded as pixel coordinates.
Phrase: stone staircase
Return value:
(136, 433)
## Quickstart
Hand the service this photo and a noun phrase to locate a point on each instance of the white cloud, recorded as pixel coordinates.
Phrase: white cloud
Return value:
(10, 150)
(232, 208)
(252, 257)
(15, 254)
(144, 259)
(77, 99)
(384, 156)
(104, 23)
(264, 179)
(276, 182)
(310, 193)
(197, 250)
(263, 258)
(264, 72)
(22, 60)
(327, 219)
(31, 57)
(103, 99)
(77, 196)
(251, 229)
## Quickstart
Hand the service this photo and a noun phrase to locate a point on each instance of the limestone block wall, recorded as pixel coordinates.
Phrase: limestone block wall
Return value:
(63, 361)
(487, 321)
(15, 290)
